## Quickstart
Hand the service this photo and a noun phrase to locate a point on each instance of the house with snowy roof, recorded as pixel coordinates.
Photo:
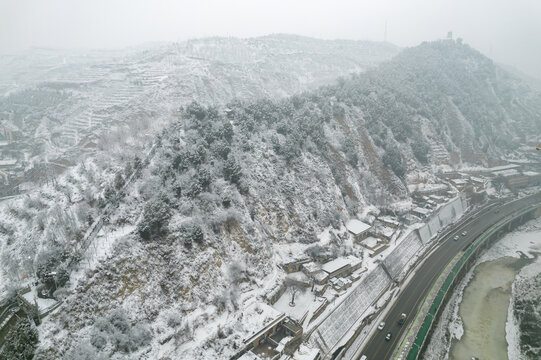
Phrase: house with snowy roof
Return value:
(320, 277)
(337, 267)
(342, 266)
(459, 183)
(273, 333)
(358, 229)
(355, 262)
(389, 221)
(306, 353)
(310, 268)
(420, 212)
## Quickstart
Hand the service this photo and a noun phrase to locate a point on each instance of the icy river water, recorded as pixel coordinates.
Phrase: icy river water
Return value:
(484, 310)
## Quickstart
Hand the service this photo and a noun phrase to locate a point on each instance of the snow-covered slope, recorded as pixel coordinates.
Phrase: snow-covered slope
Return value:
(233, 191)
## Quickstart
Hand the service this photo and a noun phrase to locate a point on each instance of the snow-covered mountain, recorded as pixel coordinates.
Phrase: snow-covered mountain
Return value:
(197, 224)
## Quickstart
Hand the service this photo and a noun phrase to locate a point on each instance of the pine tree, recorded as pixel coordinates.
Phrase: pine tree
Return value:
(232, 171)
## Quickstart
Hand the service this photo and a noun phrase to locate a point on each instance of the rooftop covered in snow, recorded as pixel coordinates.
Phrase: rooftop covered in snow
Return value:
(503, 167)
(306, 353)
(335, 265)
(259, 317)
(422, 211)
(356, 227)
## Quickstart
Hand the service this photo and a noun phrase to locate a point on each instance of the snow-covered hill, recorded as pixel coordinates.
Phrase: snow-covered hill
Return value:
(236, 189)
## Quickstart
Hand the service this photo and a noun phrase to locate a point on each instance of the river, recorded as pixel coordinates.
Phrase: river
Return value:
(484, 310)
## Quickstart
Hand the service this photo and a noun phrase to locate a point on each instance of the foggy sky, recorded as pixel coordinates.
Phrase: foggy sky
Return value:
(509, 31)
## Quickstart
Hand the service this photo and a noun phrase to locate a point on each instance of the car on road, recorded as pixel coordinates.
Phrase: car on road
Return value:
(389, 336)
(381, 325)
(401, 319)
(456, 238)
(464, 233)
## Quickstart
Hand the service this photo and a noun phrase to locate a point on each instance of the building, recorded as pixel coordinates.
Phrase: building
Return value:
(431, 203)
(438, 199)
(320, 277)
(319, 290)
(310, 268)
(478, 181)
(295, 265)
(358, 229)
(371, 242)
(354, 262)
(266, 318)
(281, 342)
(306, 353)
(410, 219)
(459, 183)
(391, 222)
(506, 173)
(494, 170)
(337, 267)
(337, 284)
(528, 178)
(8, 163)
(420, 212)
(342, 266)
(383, 232)
(356, 276)
(249, 356)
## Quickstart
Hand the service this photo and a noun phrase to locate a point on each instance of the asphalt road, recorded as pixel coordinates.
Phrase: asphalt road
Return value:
(415, 291)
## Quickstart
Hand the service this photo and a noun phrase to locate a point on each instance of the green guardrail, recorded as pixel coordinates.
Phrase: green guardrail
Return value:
(429, 318)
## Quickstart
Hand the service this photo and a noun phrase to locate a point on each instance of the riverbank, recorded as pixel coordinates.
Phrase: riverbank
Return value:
(487, 306)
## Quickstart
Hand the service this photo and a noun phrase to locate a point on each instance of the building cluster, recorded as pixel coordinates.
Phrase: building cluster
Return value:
(313, 282)
(477, 182)
(425, 203)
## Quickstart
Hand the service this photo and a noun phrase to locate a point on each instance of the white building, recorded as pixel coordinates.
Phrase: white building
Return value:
(358, 228)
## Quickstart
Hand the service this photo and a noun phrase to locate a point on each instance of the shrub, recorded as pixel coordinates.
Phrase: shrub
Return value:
(192, 233)
(21, 342)
(156, 214)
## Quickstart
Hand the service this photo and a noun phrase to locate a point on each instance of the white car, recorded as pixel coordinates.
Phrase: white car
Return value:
(464, 233)
(381, 325)
(456, 238)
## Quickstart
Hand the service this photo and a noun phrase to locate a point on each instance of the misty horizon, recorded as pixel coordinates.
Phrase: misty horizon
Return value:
(505, 32)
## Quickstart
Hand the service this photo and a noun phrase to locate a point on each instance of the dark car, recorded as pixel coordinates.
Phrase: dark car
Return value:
(389, 336)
